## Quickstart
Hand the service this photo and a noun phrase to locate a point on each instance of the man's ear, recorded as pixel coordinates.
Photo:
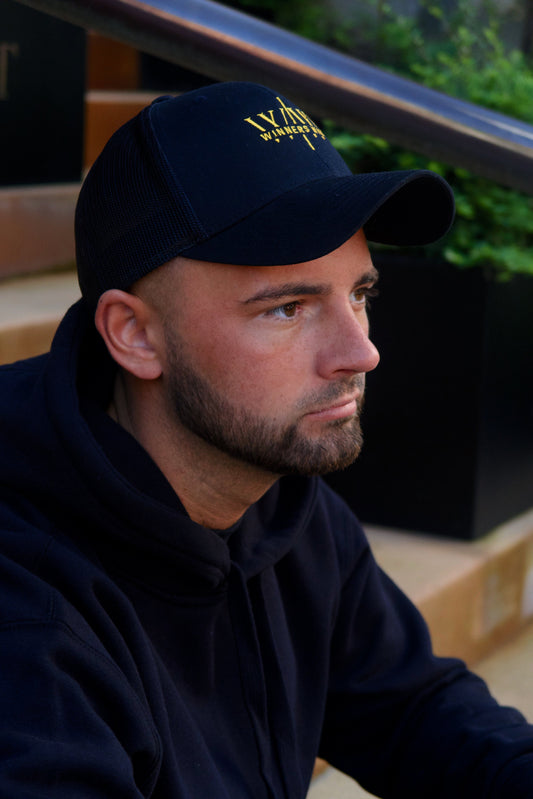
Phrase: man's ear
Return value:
(127, 326)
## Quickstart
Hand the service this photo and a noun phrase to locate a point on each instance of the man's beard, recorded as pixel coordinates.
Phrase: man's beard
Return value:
(264, 443)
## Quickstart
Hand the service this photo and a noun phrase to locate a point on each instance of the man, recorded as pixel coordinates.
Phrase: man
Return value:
(188, 612)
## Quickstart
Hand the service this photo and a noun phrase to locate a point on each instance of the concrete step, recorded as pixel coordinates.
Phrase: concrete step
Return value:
(37, 224)
(507, 671)
(30, 310)
(475, 595)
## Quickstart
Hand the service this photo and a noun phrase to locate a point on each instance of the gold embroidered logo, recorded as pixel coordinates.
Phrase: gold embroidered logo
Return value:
(285, 121)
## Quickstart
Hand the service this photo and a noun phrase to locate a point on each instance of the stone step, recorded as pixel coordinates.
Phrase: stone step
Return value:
(37, 224)
(475, 595)
(30, 310)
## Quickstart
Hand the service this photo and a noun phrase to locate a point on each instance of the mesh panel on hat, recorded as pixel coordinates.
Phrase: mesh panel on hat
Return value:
(132, 216)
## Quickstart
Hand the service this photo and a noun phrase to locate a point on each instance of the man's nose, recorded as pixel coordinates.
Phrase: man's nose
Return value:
(345, 346)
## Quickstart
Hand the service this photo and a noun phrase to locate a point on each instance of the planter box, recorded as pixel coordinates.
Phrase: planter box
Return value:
(448, 420)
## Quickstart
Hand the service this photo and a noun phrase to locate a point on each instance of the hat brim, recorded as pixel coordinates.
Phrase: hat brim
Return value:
(404, 208)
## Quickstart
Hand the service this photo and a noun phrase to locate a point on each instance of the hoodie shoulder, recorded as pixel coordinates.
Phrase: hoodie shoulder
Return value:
(17, 378)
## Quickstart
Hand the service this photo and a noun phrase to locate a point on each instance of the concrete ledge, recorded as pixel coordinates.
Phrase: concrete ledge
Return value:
(474, 595)
(37, 224)
(30, 311)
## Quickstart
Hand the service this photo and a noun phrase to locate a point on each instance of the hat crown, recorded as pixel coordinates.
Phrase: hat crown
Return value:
(186, 168)
(233, 150)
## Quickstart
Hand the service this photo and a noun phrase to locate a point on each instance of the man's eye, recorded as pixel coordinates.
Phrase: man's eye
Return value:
(286, 311)
(361, 296)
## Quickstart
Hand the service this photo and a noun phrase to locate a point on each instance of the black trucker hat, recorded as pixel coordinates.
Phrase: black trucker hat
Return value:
(236, 173)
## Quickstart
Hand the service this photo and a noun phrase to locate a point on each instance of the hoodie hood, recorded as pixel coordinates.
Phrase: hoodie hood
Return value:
(53, 464)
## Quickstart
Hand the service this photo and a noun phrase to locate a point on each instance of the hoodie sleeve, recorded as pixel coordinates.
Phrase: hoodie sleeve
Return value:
(71, 727)
(405, 723)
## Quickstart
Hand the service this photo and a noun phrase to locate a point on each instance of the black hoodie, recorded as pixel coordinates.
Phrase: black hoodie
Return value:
(142, 655)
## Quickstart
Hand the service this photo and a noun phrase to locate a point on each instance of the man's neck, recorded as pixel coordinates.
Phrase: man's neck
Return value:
(215, 489)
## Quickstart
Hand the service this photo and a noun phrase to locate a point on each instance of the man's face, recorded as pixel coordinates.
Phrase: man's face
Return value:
(267, 364)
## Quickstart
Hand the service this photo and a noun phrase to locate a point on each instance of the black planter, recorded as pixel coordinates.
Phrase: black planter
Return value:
(448, 420)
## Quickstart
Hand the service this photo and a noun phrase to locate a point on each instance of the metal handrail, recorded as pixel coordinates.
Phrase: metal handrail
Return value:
(225, 44)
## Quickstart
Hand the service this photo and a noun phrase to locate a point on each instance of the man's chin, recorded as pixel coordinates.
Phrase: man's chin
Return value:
(320, 462)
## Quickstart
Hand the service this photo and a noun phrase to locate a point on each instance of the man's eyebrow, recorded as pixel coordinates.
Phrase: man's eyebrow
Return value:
(372, 276)
(285, 290)
(289, 290)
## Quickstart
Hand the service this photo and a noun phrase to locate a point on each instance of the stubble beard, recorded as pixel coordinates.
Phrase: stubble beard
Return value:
(278, 448)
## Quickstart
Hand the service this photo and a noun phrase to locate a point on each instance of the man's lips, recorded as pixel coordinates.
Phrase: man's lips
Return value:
(338, 409)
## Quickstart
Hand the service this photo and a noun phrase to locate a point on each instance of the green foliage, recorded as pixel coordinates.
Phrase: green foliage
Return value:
(470, 61)
(461, 54)
(309, 18)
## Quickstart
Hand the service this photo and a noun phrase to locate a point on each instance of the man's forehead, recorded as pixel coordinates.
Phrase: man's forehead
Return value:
(348, 266)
